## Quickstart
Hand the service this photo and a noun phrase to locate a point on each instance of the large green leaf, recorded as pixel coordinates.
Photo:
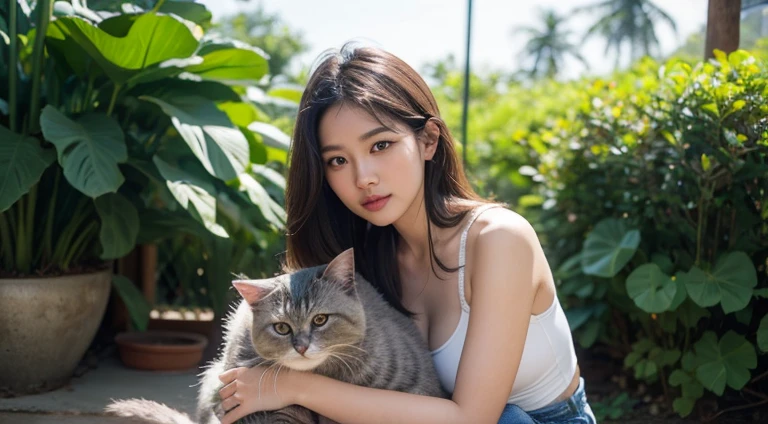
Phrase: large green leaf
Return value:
(187, 9)
(681, 294)
(271, 134)
(145, 43)
(272, 212)
(137, 305)
(691, 390)
(194, 194)
(608, 248)
(651, 289)
(690, 313)
(119, 225)
(89, 150)
(730, 283)
(762, 334)
(727, 362)
(160, 71)
(220, 147)
(233, 64)
(22, 162)
(273, 181)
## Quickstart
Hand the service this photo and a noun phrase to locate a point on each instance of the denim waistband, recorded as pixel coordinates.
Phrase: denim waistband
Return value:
(573, 406)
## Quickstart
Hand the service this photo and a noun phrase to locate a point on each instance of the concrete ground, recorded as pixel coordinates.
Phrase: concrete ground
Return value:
(84, 399)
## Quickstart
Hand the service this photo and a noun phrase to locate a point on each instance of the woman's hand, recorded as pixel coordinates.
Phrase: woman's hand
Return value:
(249, 390)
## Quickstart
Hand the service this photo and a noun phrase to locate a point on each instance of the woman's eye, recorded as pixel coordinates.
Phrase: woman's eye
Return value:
(319, 320)
(381, 145)
(282, 328)
(337, 161)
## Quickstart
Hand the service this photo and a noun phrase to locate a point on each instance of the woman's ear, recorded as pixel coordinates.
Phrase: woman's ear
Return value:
(431, 135)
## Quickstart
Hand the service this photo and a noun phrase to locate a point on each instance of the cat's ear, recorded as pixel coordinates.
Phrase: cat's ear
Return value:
(253, 290)
(342, 269)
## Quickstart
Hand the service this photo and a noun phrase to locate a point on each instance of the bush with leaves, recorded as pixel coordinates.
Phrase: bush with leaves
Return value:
(654, 187)
(119, 129)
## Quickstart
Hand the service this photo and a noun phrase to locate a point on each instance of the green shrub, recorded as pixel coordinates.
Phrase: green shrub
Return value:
(655, 208)
(649, 189)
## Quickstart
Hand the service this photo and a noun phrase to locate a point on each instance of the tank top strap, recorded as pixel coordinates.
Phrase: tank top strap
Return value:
(463, 250)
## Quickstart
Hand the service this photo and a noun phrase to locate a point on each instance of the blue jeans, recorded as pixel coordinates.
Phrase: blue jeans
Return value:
(574, 410)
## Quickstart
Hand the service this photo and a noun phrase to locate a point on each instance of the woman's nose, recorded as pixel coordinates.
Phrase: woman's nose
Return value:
(366, 176)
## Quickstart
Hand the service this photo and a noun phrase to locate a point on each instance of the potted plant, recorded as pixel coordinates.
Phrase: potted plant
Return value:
(110, 136)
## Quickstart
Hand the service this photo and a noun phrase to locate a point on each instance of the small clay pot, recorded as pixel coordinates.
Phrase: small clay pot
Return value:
(161, 350)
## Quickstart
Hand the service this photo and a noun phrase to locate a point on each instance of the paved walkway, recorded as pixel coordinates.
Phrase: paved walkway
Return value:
(84, 399)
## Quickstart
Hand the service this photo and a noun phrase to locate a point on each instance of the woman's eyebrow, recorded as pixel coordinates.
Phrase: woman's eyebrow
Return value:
(374, 132)
(367, 135)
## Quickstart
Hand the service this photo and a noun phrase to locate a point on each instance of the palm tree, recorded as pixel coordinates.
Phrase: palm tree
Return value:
(548, 47)
(629, 22)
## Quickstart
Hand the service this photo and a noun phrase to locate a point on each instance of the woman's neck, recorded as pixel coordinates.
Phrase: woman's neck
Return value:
(413, 232)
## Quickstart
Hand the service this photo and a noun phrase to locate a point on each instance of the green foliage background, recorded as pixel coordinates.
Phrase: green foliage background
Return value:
(649, 189)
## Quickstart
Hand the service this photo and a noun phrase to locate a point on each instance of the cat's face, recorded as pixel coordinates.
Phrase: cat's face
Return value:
(300, 320)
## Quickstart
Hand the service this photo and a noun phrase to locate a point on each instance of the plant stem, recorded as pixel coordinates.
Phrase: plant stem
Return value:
(30, 230)
(44, 10)
(717, 235)
(6, 248)
(699, 228)
(21, 235)
(158, 5)
(50, 214)
(78, 245)
(13, 69)
(65, 239)
(87, 103)
(112, 101)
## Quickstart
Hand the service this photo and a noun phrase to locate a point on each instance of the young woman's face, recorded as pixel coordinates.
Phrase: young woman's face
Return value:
(377, 173)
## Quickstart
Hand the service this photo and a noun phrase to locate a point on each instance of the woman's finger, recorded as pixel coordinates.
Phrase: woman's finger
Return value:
(229, 403)
(233, 415)
(228, 390)
(227, 376)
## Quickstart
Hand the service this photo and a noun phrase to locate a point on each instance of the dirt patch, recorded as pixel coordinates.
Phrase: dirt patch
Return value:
(611, 388)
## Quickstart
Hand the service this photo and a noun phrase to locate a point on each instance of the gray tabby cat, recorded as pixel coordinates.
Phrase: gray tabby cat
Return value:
(325, 319)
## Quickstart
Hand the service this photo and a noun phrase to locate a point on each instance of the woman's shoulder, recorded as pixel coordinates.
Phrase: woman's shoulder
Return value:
(501, 224)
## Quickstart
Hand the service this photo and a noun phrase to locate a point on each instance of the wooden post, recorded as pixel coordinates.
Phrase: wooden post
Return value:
(723, 22)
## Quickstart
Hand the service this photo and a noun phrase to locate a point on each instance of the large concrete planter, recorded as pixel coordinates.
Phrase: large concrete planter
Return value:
(46, 325)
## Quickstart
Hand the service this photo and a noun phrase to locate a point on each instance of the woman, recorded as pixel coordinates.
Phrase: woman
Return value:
(374, 167)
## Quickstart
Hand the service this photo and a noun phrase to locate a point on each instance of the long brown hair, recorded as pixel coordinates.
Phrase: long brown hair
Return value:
(319, 225)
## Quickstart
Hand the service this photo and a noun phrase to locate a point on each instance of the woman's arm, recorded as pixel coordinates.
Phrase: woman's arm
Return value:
(503, 289)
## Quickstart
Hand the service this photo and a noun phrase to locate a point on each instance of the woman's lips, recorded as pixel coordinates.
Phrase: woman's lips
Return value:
(376, 203)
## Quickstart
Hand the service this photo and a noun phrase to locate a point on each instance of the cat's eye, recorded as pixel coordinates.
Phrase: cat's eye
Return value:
(282, 328)
(319, 320)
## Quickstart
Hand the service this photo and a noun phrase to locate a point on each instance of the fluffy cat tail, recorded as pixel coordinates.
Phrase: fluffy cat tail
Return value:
(147, 411)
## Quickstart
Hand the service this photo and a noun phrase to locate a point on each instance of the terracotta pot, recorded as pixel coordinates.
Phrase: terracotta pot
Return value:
(161, 350)
(186, 322)
(46, 325)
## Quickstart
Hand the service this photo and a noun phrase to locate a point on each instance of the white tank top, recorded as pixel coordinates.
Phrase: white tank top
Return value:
(548, 363)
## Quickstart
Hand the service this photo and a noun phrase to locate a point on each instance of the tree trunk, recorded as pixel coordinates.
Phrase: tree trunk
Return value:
(723, 21)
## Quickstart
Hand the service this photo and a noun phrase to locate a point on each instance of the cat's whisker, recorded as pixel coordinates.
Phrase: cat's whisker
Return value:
(336, 346)
(262, 376)
(340, 359)
(274, 386)
(348, 356)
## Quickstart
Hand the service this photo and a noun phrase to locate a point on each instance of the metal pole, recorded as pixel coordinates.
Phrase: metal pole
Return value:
(465, 111)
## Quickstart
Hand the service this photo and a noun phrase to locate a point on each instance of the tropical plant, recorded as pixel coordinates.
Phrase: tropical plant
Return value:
(656, 206)
(110, 138)
(548, 45)
(627, 22)
(648, 189)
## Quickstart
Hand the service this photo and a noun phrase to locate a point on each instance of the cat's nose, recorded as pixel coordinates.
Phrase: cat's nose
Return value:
(301, 348)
